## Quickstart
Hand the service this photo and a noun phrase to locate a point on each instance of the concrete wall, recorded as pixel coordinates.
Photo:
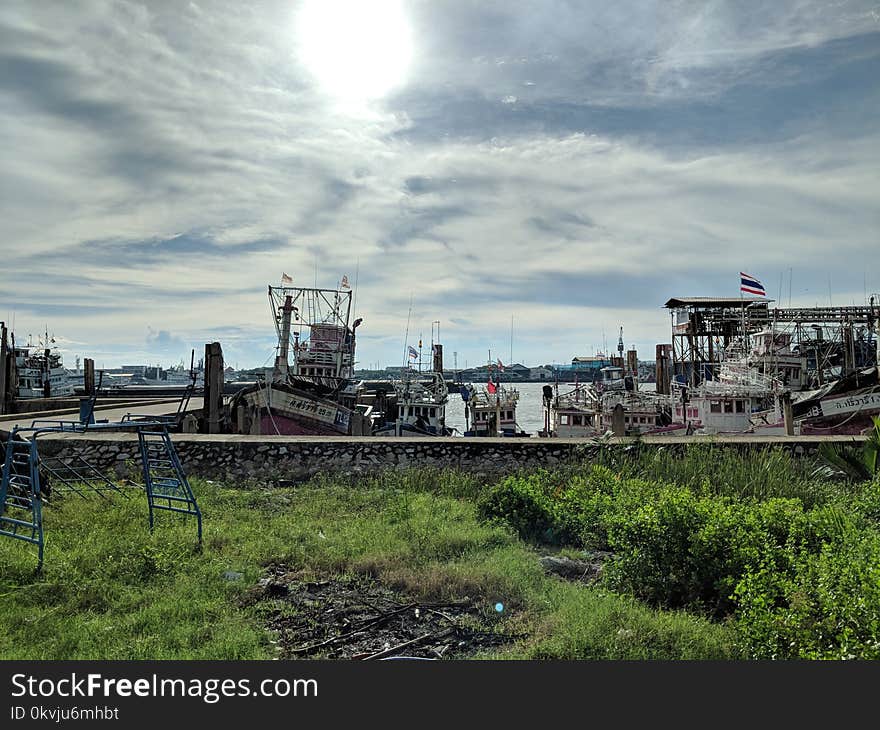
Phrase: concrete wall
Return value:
(273, 458)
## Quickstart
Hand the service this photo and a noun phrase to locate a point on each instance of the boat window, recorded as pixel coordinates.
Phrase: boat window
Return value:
(740, 406)
(715, 406)
(728, 406)
(433, 412)
(576, 421)
(563, 419)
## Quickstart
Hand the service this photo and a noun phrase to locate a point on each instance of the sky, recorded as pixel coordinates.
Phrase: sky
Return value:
(532, 175)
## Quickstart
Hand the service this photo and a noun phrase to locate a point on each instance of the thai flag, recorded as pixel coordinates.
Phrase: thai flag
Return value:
(750, 285)
(413, 353)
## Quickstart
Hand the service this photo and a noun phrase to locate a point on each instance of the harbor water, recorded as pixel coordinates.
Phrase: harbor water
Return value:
(529, 409)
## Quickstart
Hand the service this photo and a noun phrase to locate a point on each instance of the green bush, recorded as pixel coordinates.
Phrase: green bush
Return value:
(653, 546)
(557, 508)
(683, 550)
(826, 607)
(527, 504)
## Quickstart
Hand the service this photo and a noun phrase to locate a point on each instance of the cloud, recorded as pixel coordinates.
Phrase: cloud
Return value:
(162, 340)
(163, 163)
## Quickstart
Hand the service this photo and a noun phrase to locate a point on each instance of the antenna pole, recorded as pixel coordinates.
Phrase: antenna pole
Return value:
(357, 269)
(511, 340)
(406, 335)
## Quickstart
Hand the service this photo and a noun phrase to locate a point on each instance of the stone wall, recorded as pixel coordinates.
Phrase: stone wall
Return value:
(274, 458)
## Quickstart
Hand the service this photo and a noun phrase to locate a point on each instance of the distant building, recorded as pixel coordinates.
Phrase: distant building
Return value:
(593, 363)
(542, 372)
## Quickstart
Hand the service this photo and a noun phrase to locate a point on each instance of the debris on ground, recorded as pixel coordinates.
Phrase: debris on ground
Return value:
(587, 570)
(358, 618)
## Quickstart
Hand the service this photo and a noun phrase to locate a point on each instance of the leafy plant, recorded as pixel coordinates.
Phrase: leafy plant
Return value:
(857, 465)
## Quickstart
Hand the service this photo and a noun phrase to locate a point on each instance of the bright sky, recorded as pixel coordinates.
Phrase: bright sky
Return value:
(569, 164)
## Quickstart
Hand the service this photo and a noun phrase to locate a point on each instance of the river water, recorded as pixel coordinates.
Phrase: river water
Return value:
(529, 409)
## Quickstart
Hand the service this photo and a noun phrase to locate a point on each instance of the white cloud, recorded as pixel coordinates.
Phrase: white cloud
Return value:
(131, 122)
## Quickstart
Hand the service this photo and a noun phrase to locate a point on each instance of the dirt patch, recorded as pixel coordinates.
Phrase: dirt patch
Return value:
(358, 618)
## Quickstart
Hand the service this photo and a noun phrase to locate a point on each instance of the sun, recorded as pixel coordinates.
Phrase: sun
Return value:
(355, 49)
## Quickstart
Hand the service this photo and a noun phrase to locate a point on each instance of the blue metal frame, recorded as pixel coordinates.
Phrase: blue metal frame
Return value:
(21, 493)
(164, 479)
(165, 482)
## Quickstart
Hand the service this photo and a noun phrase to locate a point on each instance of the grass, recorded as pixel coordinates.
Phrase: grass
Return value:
(112, 590)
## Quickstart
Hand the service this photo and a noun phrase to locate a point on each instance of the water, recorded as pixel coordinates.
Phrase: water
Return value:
(529, 409)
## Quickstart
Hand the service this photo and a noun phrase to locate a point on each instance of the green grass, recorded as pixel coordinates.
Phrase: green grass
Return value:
(112, 590)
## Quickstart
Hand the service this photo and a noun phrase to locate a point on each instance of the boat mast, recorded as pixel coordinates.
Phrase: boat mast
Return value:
(280, 372)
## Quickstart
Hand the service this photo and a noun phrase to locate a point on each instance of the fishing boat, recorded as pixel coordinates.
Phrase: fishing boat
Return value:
(317, 394)
(417, 408)
(490, 409)
(573, 413)
(772, 354)
(845, 406)
(742, 399)
(415, 403)
(40, 371)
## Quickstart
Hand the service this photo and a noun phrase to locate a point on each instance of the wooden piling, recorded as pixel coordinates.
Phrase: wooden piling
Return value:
(213, 409)
(787, 415)
(88, 376)
(618, 426)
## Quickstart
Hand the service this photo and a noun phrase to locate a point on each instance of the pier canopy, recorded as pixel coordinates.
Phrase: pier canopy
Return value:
(713, 302)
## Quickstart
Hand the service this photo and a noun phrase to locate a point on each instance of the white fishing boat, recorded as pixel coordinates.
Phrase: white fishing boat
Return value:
(574, 413)
(772, 354)
(742, 399)
(417, 408)
(413, 404)
(490, 409)
(40, 371)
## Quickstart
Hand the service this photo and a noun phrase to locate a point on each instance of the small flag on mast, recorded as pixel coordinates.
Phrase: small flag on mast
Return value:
(750, 285)
(490, 388)
(344, 283)
(413, 353)
(285, 279)
(500, 365)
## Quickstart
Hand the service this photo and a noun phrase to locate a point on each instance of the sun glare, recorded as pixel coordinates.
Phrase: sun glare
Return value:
(355, 49)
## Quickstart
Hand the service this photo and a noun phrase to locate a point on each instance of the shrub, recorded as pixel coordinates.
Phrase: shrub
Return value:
(682, 550)
(826, 607)
(525, 503)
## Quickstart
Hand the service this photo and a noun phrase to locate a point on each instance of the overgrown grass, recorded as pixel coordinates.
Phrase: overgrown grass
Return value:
(112, 590)
(716, 469)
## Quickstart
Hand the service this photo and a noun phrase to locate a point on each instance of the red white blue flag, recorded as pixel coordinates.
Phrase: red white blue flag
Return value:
(750, 285)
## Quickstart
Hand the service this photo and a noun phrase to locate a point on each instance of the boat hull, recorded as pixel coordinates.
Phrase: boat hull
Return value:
(282, 409)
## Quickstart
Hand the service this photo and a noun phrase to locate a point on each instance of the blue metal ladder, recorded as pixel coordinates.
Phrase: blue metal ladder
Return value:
(21, 504)
(164, 478)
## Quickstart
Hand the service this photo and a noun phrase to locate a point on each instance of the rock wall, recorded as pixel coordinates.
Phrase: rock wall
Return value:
(274, 458)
